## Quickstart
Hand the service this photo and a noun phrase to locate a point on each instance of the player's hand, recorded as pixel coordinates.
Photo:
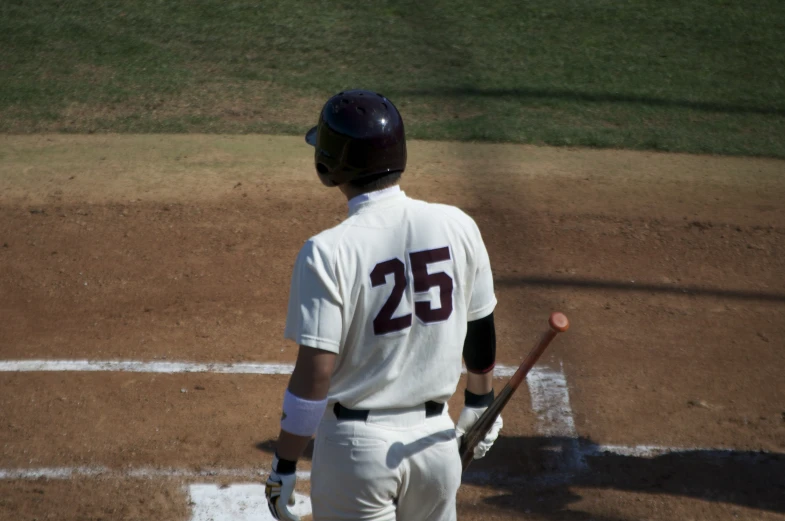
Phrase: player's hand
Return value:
(279, 492)
(468, 417)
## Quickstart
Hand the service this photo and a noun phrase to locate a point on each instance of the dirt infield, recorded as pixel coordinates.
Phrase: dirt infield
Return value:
(671, 269)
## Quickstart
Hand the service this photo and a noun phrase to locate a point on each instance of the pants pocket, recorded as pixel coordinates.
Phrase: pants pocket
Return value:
(350, 479)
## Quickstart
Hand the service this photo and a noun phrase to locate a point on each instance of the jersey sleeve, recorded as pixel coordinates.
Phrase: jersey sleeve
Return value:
(483, 299)
(314, 317)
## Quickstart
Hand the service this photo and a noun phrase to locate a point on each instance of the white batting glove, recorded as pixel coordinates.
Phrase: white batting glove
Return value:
(279, 492)
(468, 417)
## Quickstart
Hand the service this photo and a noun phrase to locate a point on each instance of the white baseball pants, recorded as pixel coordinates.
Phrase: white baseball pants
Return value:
(396, 465)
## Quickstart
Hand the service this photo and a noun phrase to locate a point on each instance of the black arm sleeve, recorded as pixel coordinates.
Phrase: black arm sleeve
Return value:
(479, 347)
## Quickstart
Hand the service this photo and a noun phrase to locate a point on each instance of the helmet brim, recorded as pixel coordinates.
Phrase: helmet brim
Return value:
(310, 137)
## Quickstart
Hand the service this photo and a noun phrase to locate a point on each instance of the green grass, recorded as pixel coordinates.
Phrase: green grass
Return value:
(695, 76)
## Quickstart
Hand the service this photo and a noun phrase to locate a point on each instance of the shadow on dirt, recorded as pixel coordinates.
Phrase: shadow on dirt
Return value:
(535, 475)
(744, 478)
(636, 286)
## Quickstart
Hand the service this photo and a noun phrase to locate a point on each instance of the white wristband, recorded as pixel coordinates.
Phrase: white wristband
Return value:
(301, 417)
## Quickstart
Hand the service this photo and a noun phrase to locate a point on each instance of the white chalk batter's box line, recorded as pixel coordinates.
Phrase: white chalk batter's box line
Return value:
(550, 401)
(255, 475)
(133, 366)
(548, 387)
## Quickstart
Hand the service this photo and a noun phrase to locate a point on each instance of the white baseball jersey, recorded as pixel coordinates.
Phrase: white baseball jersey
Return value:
(390, 290)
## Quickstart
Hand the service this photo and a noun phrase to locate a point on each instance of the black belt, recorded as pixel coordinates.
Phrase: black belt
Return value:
(343, 413)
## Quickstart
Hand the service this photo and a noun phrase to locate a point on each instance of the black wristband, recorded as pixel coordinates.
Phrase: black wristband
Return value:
(285, 466)
(478, 400)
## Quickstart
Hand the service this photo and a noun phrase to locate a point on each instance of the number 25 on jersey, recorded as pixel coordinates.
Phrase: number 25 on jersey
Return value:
(423, 281)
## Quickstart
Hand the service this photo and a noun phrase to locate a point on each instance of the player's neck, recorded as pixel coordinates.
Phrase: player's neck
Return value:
(352, 191)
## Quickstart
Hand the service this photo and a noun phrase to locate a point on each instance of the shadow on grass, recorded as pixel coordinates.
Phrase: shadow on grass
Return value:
(522, 93)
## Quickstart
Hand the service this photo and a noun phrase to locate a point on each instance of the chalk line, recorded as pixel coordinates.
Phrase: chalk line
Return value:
(548, 389)
(640, 451)
(136, 473)
(550, 399)
(146, 473)
(255, 474)
(551, 402)
(240, 502)
(136, 366)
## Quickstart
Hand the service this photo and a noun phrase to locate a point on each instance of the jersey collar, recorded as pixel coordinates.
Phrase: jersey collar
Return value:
(358, 202)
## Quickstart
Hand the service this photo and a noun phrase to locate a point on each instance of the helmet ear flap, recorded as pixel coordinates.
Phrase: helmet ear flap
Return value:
(328, 168)
(324, 175)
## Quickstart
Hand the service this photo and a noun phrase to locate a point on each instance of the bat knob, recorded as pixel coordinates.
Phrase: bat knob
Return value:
(559, 322)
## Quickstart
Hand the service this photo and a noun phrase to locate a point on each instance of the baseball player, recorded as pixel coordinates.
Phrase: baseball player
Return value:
(385, 306)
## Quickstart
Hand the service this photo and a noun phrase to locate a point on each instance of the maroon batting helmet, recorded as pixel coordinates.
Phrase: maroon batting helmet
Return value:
(360, 134)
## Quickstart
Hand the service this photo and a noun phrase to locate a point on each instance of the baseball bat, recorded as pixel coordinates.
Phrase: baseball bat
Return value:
(558, 323)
